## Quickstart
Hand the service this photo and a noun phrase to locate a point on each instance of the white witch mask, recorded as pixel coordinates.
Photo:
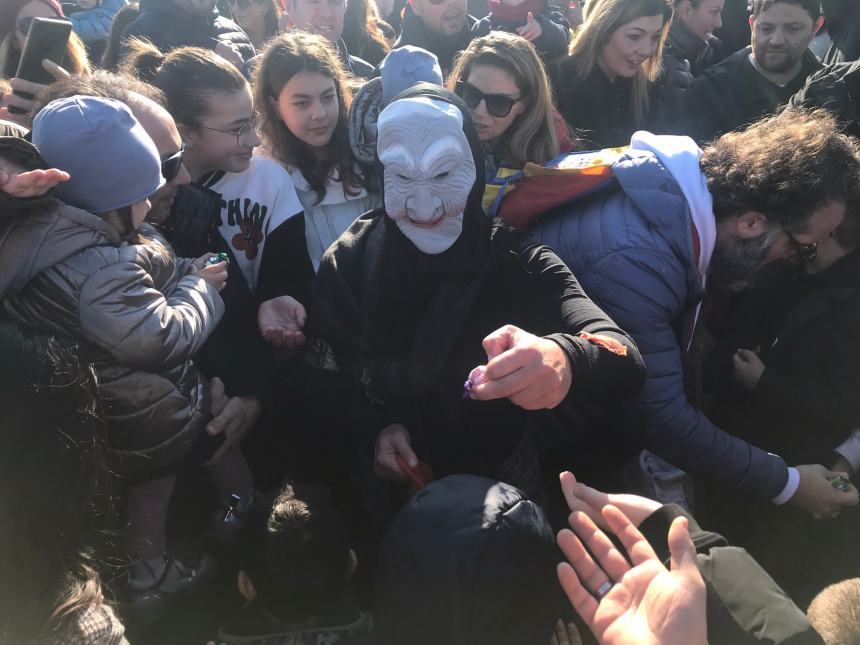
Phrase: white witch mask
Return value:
(429, 170)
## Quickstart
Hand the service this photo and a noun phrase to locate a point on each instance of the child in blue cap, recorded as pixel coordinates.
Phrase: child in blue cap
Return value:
(102, 277)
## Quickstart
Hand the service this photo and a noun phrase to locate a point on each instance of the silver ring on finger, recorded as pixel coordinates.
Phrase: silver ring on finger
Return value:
(604, 589)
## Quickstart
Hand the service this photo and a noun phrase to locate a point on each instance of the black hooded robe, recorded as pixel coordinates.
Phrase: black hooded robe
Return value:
(405, 329)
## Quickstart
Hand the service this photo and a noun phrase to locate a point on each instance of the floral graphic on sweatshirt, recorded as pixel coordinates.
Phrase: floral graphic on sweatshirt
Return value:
(248, 239)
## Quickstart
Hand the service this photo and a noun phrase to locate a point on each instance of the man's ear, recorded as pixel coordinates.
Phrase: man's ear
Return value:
(684, 9)
(246, 587)
(751, 224)
(752, 23)
(352, 565)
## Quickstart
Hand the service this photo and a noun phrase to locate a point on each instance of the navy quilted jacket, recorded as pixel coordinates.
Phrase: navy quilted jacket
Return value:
(631, 248)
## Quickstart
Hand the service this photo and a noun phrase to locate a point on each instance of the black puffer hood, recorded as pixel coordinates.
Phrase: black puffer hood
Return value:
(469, 560)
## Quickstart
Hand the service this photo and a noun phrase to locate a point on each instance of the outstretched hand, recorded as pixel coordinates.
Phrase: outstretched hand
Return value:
(33, 183)
(645, 604)
(282, 321)
(232, 417)
(591, 501)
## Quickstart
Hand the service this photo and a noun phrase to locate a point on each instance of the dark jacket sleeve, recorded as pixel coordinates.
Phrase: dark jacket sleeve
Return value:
(660, 417)
(553, 42)
(362, 68)
(704, 112)
(744, 604)
(286, 268)
(604, 360)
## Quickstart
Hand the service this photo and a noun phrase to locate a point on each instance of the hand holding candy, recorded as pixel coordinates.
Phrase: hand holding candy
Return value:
(532, 372)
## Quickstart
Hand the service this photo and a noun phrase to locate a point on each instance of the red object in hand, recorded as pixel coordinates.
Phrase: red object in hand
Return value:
(419, 476)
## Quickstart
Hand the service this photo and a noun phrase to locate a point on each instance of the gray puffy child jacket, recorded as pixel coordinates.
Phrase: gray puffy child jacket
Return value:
(140, 316)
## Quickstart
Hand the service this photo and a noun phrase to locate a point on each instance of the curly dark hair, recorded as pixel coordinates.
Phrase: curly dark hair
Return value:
(786, 167)
(812, 7)
(286, 56)
(297, 555)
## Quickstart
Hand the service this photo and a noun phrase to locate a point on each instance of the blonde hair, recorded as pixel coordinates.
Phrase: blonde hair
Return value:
(602, 19)
(531, 137)
(75, 61)
(834, 615)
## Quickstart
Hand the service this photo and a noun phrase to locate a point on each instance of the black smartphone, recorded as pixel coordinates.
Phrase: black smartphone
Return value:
(47, 38)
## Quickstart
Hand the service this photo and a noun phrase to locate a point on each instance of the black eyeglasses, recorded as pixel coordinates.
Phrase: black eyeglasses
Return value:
(251, 125)
(499, 105)
(170, 164)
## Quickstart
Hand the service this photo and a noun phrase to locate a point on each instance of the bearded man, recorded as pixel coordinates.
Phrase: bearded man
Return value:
(755, 81)
(672, 217)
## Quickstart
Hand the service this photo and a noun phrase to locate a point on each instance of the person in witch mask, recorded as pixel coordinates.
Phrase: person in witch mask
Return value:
(424, 292)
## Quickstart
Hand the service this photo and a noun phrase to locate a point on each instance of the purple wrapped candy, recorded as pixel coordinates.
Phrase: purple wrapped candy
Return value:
(467, 389)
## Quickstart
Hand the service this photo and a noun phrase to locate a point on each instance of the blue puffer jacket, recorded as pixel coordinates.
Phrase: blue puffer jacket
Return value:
(631, 248)
(93, 25)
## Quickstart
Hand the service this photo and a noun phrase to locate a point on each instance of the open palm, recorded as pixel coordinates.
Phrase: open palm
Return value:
(33, 183)
(646, 603)
(282, 321)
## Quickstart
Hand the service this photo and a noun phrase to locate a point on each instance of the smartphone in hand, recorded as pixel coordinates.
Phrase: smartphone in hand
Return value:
(47, 38)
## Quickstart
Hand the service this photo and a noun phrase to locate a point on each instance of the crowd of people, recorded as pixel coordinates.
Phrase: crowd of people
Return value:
(305, 305)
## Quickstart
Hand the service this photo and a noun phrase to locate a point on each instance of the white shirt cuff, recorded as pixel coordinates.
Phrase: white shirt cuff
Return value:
(850, 450)
(790, 487)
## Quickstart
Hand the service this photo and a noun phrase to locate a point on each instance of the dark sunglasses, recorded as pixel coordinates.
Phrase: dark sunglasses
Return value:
(808, 250)
(170, 164)
(498, 105)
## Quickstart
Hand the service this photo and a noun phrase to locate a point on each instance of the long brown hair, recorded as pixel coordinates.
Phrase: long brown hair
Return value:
(75, 62)
(286, 56)
(602, 19)
(531, 136)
